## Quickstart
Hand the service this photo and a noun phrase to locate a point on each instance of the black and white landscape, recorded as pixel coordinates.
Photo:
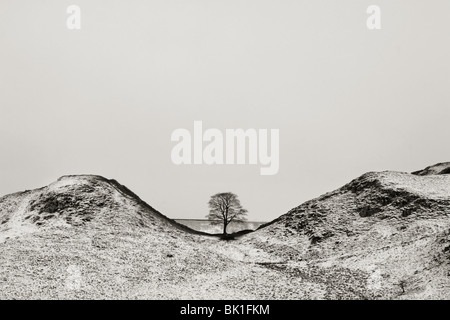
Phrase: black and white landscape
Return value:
(384, 235)
(170, 149)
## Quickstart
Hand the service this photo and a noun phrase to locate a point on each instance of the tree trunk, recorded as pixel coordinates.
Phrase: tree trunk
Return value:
(225, 222)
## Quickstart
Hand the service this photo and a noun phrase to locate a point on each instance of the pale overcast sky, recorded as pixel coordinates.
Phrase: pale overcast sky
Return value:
(105, 99)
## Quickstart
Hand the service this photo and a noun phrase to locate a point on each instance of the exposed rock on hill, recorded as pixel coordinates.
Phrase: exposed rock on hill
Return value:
(394, 224)
(78, 200)
(440, 168)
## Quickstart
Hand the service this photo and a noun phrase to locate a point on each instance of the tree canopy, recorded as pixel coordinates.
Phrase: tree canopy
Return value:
(225, 208)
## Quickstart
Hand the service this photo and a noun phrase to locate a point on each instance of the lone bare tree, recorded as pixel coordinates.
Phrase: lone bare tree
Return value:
(224, 208)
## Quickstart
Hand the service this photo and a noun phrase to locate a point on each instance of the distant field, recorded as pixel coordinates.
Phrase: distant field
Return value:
(207, 226)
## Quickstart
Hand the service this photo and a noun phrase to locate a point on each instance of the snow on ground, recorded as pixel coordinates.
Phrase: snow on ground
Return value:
(384, 235)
